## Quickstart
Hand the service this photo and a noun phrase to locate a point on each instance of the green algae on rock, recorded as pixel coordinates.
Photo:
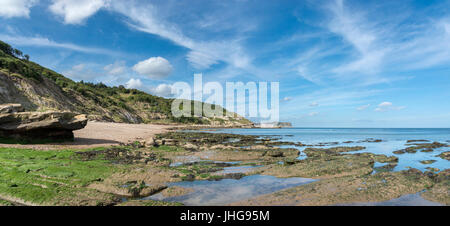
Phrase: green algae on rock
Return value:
(425, 147)
(440, 192)
(328, 163)
(445, 155)
(51, 178)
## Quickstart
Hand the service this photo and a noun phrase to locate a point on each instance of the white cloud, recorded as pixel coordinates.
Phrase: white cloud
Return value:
(164, 90)
(363, 107)
(312, 114)
(134, 84)
(118, 68)
(76, 11)
(154, 67)
(387, 106)
(16, 8)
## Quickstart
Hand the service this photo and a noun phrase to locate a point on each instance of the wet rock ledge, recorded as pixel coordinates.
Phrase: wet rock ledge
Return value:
(18, 125)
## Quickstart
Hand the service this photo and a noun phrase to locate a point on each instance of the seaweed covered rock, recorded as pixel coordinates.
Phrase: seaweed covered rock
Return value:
(423, 147)
(50, 125)
(445, 155)
(274, 154)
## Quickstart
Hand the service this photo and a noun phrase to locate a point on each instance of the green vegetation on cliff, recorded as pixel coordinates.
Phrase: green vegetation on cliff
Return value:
(39, 88)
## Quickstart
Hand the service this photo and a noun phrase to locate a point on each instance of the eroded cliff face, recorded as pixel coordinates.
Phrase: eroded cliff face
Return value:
(46, 95)
(10, 93)
(34, 95)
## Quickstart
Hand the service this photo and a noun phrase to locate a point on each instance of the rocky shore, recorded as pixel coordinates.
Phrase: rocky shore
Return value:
(137, 170)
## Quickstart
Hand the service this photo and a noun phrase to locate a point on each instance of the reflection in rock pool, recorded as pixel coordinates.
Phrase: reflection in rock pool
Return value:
(229, 190)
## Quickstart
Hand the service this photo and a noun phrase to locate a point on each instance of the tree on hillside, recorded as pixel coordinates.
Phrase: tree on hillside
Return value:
(18, 53)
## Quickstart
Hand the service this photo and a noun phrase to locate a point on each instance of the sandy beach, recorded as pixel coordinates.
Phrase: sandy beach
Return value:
(101, 134)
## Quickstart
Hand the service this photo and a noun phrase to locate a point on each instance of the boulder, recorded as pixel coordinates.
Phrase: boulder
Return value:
(41, 125)
(150, 142)
(190, 146)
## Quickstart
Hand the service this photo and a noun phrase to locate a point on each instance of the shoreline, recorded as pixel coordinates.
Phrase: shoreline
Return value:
(103, 134)
(106, 134)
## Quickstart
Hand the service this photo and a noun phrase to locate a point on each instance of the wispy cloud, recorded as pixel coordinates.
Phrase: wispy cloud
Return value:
(363, 107)
(45, 42)
(117, 68)
(331, 98)
(427, 49)
(81, 72)
(369, 45)
(381, 46)
(358, 32)
(202, 54)
(111, 74)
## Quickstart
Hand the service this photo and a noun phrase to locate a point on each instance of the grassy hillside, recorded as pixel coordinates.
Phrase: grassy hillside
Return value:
(38, 88)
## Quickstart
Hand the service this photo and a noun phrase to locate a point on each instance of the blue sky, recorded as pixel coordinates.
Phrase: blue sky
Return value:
(340, 63)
